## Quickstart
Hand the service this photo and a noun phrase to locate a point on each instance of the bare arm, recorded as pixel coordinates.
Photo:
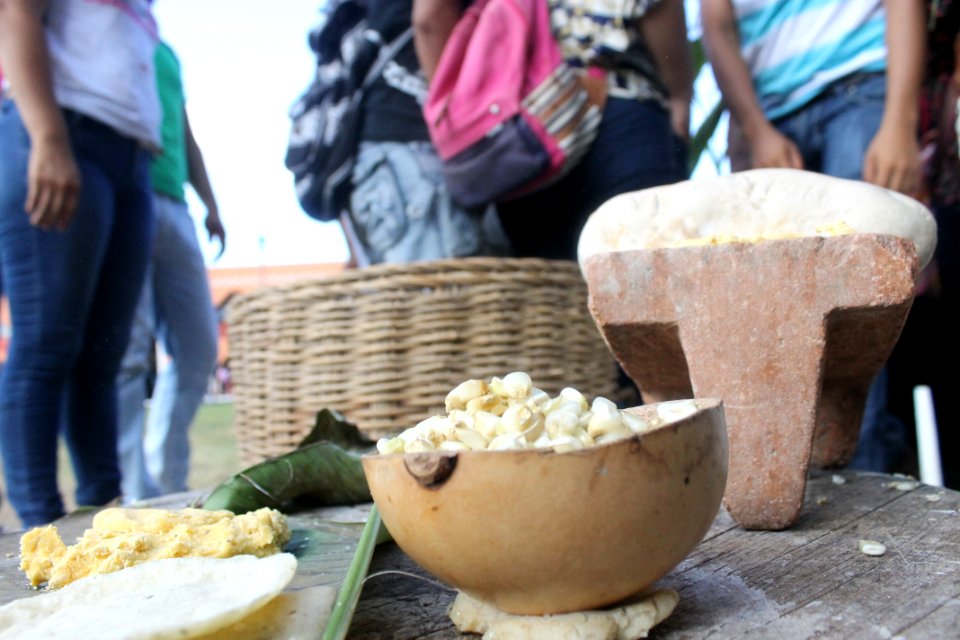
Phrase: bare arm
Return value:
(53, 179)
(893, 157)
(433, 21)
(721, 37)
(664, 29)
(200, 181)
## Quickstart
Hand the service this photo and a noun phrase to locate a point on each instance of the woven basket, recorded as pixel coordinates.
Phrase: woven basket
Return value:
(384, 345)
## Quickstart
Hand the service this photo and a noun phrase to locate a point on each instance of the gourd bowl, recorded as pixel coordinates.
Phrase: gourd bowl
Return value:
(533, 531)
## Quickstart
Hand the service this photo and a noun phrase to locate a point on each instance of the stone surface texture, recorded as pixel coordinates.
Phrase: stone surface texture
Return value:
(788, 333)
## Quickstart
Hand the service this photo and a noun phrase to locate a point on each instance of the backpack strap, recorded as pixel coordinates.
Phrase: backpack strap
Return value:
(387, 53)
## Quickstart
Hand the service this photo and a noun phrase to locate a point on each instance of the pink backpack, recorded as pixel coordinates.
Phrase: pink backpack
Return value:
(506, 114)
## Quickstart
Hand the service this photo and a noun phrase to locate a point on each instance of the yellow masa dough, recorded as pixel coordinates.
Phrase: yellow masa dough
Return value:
(121, 538)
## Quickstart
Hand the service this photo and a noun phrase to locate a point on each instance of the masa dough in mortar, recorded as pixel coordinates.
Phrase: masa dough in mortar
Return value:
(121, 538)
(749, 206)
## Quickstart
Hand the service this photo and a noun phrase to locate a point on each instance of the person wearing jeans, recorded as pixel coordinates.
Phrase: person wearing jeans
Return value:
(175, 308)
(831, 86)
(76, 218)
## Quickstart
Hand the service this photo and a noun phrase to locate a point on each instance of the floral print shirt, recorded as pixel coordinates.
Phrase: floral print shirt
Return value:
(606, 34)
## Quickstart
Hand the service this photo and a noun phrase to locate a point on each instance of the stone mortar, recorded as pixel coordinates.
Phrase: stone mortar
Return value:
(788, 333)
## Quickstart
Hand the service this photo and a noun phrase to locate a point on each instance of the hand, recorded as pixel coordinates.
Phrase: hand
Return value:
(215, 230)
(53, 184)
(771, 149)
(893, 160)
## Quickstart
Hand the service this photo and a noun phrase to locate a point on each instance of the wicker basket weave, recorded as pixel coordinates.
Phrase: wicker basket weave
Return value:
(384, 345)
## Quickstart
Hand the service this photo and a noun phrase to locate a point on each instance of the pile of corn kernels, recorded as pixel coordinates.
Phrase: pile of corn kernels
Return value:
(511, 413)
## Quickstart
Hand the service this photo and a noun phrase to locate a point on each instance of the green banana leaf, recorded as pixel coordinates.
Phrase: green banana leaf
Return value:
(324, 469)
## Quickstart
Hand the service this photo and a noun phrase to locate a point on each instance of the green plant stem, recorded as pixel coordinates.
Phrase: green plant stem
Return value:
(349, 592)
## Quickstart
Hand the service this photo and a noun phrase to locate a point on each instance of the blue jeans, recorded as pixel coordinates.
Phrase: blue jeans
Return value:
(834, 131)
(72, 294)
(634, 149)
(176, 308)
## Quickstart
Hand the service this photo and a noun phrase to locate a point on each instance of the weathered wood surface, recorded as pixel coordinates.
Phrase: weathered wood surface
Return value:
(809, 581)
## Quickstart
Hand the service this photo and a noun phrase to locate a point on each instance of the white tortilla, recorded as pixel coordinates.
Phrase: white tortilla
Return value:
(172, 598)
(752, 203)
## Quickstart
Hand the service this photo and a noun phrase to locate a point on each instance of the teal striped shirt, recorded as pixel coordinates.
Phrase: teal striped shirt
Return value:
(796, 48)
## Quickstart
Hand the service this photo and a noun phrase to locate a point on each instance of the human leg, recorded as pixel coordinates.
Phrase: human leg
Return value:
(49, 277)
(90, 430)
(187, 329)
(132, 392)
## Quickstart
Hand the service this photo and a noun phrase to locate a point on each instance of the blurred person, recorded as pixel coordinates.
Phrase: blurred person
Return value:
(828, 86)
(929, 341)
(642, 141)
(831, 87)
(175, 308)
(400, 209)
(76, 216)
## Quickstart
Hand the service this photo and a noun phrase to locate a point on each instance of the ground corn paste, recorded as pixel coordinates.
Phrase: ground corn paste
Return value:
(121, 538)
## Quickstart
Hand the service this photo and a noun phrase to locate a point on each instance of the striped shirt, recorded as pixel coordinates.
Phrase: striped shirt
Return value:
(797, 48)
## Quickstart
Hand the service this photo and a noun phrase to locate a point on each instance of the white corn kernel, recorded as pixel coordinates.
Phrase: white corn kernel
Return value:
(517, 418)
(507, 441)
(471, 439)
(424, 426)
(552, 405)
(464, 393)
(535, 429)
(613, 436)
(676, 410)
(452, 445)
(436, 431)
(602, 404)
(390, 445)
(583, 420)
(872, 548)
(635, 423)
(541, 442)
(573, 395)
(564, 444)
(537, 399)
(486, 424)
(461, 418)
(490, 402)
(420, 444)
(561, 422)
(605, 419)
(585, 438)
(517, 385)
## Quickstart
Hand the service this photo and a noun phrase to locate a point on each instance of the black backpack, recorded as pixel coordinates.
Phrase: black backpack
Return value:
(325, 120)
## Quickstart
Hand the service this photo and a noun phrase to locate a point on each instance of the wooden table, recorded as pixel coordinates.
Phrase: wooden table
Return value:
(809, 581)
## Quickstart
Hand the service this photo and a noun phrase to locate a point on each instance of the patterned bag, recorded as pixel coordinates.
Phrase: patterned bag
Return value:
(513, 121)
(325, 120)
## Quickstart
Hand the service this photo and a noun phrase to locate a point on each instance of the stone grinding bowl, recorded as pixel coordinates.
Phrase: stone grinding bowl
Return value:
(788, 331)
(532, 531)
